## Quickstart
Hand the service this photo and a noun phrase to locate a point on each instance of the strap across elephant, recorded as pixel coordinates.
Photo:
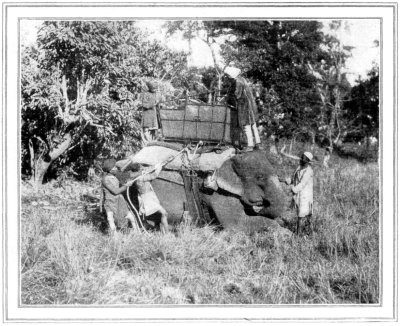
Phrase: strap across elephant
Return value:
(248, 191)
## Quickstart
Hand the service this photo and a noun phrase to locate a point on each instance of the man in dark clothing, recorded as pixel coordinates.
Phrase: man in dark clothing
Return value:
(114, 203)
(150, 100)
(247, 109)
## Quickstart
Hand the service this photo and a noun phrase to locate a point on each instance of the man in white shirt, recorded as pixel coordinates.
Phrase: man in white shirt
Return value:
(302, 183)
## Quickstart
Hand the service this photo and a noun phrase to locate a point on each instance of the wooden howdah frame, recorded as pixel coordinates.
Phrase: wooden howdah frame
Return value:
(213, 124)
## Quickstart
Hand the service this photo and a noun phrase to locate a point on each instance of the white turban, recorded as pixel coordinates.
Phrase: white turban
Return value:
(308, 155)
(232, 72)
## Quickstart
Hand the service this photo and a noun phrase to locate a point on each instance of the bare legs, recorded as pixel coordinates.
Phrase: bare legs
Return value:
(164, 221)
(110, 220)
(250, 131)
(163, 224)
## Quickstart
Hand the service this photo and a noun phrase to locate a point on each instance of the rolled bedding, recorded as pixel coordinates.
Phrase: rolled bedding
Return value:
(152, 155)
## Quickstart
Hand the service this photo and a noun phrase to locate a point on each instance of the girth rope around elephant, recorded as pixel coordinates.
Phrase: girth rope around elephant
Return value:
(135, 212)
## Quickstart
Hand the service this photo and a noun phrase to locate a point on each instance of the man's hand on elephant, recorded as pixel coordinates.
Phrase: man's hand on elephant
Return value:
(288, 180)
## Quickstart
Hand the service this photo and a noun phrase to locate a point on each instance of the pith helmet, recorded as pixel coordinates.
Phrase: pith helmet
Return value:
(308, 155)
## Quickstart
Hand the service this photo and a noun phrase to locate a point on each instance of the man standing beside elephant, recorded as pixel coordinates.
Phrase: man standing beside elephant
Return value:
(247, 109)
(302, 183)
(114, 203)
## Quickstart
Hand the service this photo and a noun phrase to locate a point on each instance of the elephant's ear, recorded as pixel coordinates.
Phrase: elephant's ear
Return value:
(228, 180)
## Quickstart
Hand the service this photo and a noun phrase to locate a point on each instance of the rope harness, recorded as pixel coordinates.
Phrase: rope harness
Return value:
(191, 186)
(190, 183)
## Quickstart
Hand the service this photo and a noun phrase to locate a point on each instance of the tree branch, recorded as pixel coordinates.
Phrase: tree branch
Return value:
(32, 157)
(64, 92)
(289, 155)
(61, 148)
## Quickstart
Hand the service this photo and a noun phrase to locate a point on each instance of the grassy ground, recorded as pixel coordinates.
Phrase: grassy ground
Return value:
(67, 257)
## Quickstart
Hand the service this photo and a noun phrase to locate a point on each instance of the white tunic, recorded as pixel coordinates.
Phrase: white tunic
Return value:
(303, 190)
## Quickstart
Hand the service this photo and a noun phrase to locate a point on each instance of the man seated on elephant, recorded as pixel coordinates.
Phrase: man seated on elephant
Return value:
(247, 108)
(302, 188)
(148, 200)
(114, 203)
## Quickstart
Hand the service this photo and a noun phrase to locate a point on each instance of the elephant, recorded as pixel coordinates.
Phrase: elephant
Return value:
(249, 196)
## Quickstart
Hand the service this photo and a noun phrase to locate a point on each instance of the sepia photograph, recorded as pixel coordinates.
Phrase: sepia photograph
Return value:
(201, 161)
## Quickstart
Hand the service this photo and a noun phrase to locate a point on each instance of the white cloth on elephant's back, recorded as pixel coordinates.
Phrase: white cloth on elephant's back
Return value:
(152, 155)
(212, 161)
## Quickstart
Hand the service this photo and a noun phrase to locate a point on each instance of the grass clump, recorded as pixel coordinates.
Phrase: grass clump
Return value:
(68, 258)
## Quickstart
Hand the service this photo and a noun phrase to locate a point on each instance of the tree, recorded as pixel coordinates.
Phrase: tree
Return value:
(332, 85)
(362, 109)
(208, 32)
(79, 91)
(276, 54)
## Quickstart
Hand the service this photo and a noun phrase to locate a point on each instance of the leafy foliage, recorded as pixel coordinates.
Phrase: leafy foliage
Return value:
(88, 75)
(362, 109)
(274, 55)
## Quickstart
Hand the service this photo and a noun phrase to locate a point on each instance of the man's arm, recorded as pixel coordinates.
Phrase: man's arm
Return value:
(287, 180)
(108, 184)
(239, 88)
(154, 174)
(151, 175)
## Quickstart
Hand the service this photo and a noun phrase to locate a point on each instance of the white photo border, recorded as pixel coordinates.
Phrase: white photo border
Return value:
(14, 12)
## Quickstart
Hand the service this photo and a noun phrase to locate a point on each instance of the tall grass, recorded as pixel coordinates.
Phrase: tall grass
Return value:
(67, 258)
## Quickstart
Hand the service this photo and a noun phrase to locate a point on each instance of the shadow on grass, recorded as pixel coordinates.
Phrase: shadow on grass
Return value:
(352, 289)
(96, 219)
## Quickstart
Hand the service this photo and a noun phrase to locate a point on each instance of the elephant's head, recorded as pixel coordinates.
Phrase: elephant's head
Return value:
(252, 177)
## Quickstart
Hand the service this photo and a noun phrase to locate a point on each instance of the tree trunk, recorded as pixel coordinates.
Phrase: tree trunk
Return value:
(312, 133)
(32, 158)
(190, 54)
(40, 171)
(291, 144)
(272, 149)
(42, 165)
(331, 125)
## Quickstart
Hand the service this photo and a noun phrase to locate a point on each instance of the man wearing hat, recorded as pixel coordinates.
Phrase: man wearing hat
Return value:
(114, 203)
(302, 188)
(247, 109)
